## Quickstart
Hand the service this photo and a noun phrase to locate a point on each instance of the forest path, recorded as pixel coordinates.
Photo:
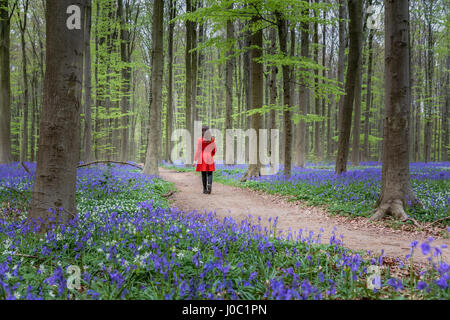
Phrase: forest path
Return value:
(238, 203)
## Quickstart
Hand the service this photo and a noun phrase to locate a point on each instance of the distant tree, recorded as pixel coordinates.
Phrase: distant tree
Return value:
(354, 61)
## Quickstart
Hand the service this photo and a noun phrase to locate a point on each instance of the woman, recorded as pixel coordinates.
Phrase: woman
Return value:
(206, 149)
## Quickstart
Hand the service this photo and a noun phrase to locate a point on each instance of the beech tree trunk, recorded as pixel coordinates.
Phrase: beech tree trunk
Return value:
(188, 89)
(357, 105)
(287, 121)
(229, 86)
(154, 137)
(355, 30)
(23, 27)
(257, 89)
(301, 142)
(396, 189)
(5, 85)
(445, 115)
(317, 142)
(341, 59)
(59, 148)
(87, 85)
(368, 97)
(429, 68)
(273, 89)
(169, 114)
(126, 80)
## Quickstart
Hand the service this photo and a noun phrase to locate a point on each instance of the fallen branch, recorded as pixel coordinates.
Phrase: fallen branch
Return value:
(27, 256)
(109, 161)
(167, 195)
(439, 220)
(413, 221)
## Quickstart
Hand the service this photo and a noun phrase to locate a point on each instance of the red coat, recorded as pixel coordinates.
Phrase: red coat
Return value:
(204, 154)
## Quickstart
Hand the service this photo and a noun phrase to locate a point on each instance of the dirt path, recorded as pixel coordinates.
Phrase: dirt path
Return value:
(239, 203)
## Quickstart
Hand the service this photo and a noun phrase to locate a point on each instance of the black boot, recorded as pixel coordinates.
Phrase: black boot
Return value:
(204, 181)
(209, 188)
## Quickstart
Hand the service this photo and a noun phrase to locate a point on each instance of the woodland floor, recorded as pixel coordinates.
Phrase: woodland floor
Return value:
(239, 203)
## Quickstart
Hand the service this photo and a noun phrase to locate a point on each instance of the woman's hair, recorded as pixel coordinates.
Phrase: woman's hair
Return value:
(206, 134)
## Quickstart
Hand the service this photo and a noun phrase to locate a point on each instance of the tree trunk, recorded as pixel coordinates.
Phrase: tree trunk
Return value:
(87, 85)
(357, 119)
(429, 68)
(301, 143)
(169, 114)
(355, 30)
(287, 121)
(445, 115)
(126, 80)
(23, 28)
(317, 142)
(247, 85)
(396, 188)
(154, 137)
(229, 85)
(341, 59)
(368, 97)
(5, 85)
(188, 89)
(272, 85)
(257, 83)
(59, 148)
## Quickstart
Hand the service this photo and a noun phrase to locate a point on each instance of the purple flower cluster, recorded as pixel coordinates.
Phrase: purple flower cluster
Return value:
(146, 250)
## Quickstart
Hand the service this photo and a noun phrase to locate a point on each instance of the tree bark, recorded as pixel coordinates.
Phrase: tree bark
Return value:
(257, 83)
(341, 59)
(229, 85)
(396, 188)
(154, 137)
(23, 27)
(429, 68)
(368, 97)
(445, 114)
(272, 85)
(5, 84)
(169, 114)
(287, 121)
(188, 89)
(303, 97)
(357, 117)
(317, 142)
(87, 85)
(59, 148)
(355, 30)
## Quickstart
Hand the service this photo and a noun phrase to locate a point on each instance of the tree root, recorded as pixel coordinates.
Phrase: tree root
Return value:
(439, 220)
(253, 171)
(392, 207)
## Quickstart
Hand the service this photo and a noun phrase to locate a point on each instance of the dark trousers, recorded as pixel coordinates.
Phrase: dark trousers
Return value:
(207, 177)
